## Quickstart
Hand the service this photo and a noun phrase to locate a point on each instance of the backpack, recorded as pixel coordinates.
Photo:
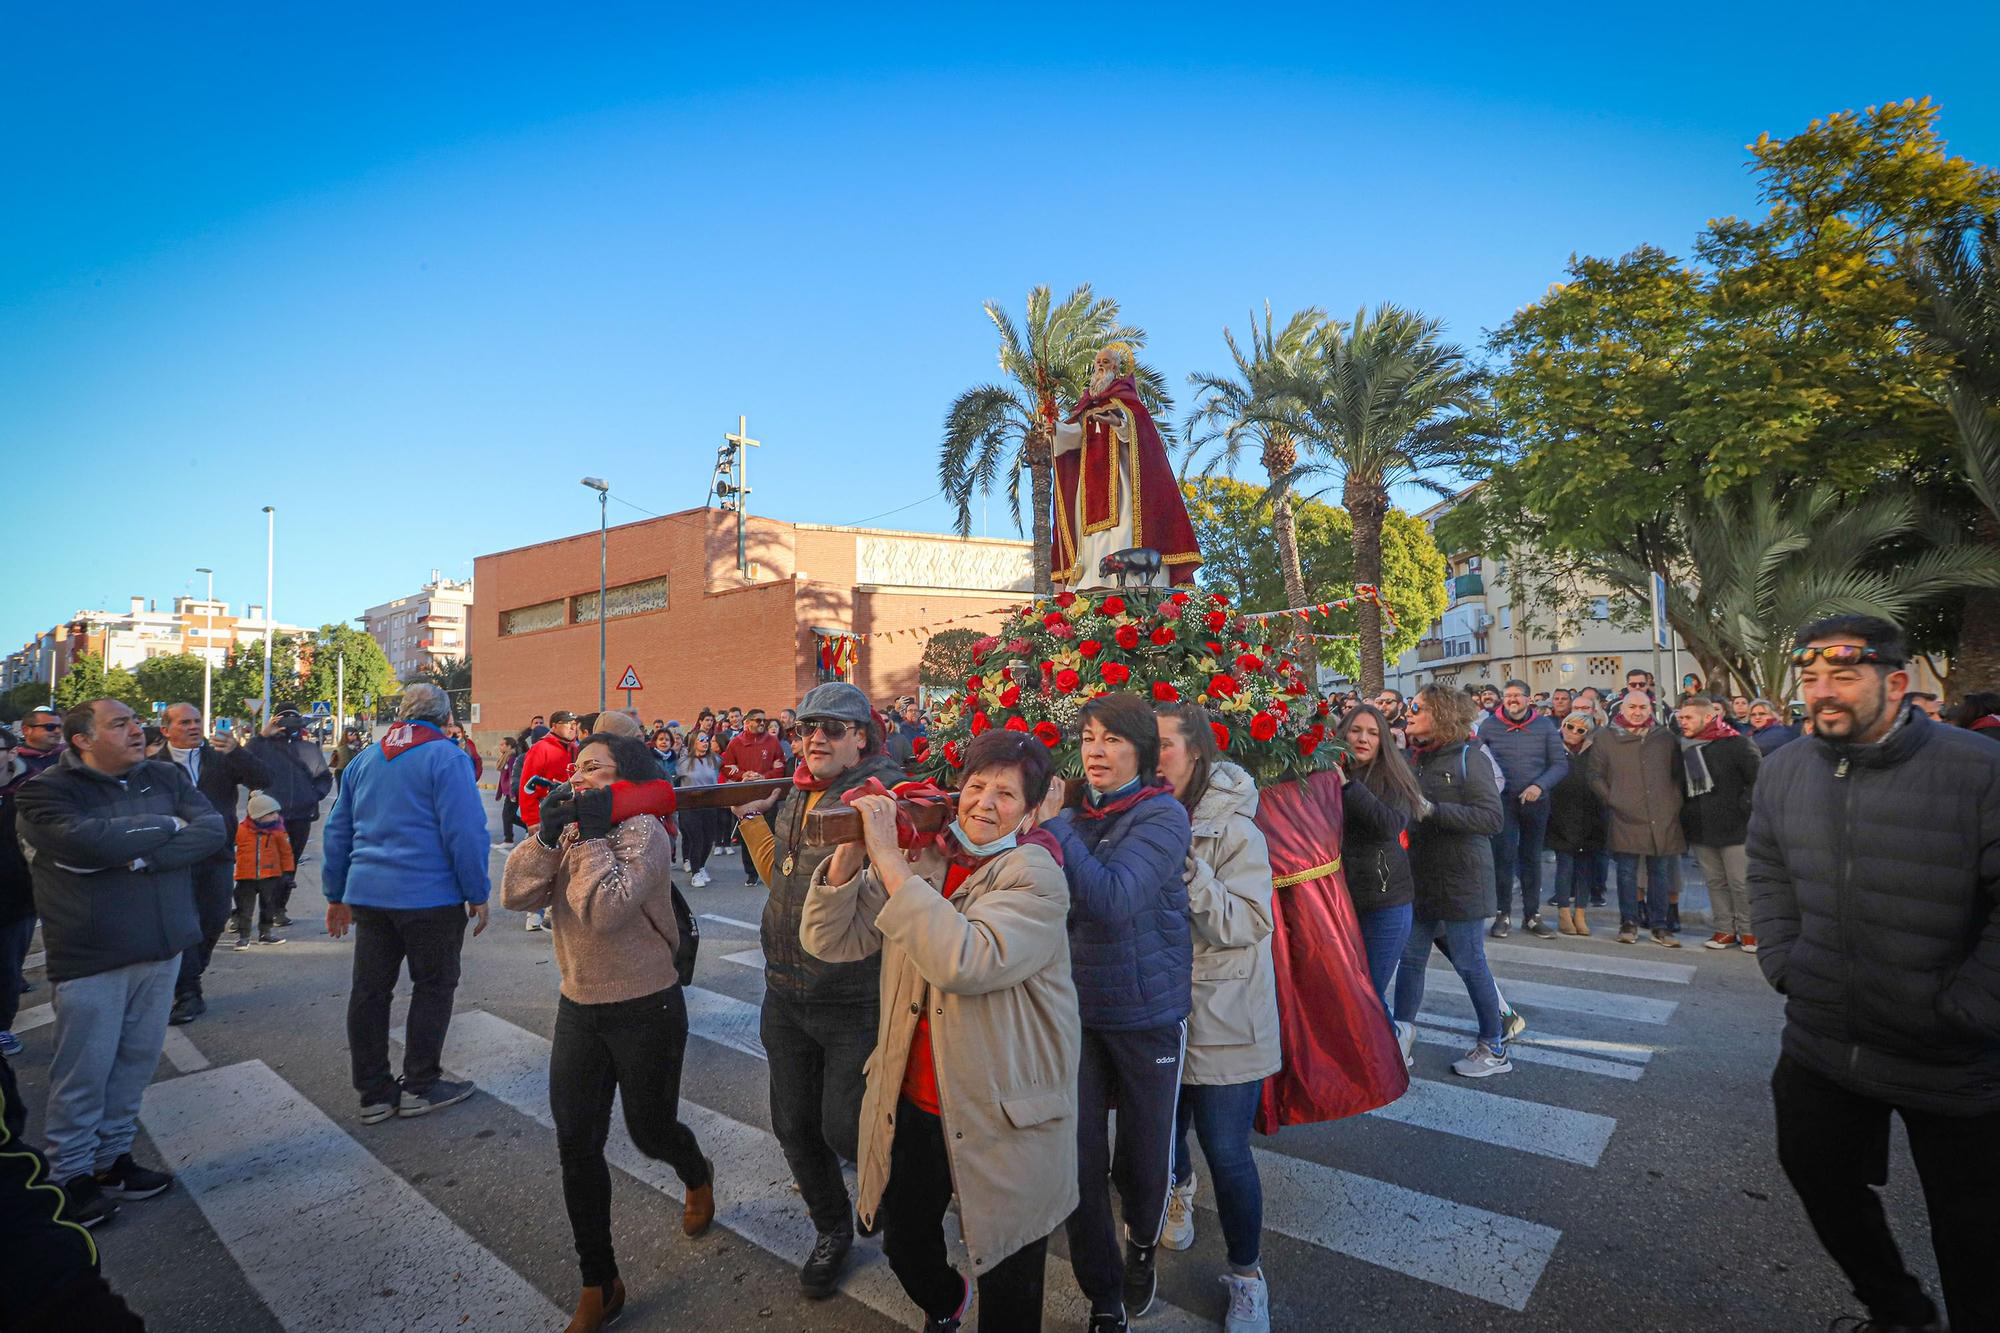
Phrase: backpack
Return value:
(690, 932)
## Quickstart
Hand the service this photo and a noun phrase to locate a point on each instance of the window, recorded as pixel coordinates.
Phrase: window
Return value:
(627, 599)
(526, 619)
(1600, 608)
(1506, 617)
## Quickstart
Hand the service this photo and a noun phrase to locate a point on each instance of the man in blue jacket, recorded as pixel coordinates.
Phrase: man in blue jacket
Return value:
(1528, 748)
(406, 854)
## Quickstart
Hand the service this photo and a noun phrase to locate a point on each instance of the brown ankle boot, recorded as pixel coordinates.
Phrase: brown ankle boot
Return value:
(597, 1307)
(699, 1209)
(1582, 925)
(1566, 920)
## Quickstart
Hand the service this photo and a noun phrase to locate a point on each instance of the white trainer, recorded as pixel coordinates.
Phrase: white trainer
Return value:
(1406, 1037)
(1179, 1232)
(700, 880)
(533, 922)
(1249, 1304)
(1482, 1061)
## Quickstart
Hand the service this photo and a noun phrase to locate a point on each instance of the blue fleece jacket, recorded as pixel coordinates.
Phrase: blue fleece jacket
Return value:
(1530, 754)
(409, 830)
(1130, 946)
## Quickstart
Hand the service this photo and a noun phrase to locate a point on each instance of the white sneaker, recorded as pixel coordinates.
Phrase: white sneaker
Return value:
(700, 880)
(1179, 1233)
(1249, 1304)
(1482, 1061)
(533, 922)
(1406, 1037)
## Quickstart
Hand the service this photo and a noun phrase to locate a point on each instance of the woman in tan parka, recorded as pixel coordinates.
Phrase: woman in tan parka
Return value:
(972, 1087)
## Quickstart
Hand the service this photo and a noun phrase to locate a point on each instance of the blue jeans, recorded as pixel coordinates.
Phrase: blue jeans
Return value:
(1579, 877)
(1659, 883)
(1221, 1114)
(1518, 847)
(1465, 945)
(1384, 932)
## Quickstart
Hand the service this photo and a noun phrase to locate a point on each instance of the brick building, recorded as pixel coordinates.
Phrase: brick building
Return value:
(701, 632)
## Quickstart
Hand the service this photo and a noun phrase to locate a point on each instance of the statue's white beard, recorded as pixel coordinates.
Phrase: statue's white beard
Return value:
(1100, 380)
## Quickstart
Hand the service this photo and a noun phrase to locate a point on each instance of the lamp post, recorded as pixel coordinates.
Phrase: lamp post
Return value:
(207, 647)
(270, 561)
(603, 489)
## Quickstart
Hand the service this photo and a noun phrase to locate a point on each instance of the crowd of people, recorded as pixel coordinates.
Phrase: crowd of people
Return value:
(959, 1013)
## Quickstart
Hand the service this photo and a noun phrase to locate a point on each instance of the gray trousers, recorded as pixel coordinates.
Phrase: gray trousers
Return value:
(1727, 870)
(109, 1031)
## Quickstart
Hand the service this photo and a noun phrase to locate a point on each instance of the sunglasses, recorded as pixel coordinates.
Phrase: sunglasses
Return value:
(41, 726)
(1843, 654)
(830, 727)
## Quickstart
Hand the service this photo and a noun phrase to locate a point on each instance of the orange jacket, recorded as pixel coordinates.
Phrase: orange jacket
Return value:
(262, 853)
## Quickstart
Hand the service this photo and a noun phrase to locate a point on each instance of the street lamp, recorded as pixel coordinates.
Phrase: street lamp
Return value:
(207, 647)
(603, 489)
(270, 560)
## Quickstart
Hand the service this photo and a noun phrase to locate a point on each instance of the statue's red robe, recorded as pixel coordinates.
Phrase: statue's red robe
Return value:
(1088, 490)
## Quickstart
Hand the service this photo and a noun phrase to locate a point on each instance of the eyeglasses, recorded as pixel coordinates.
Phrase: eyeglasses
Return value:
(830, 727)
(1843, 654)
(1415, 709)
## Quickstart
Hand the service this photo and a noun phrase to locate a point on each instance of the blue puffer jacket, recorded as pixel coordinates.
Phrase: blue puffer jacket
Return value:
(1130, 945)
(1530, 753)
(408, 830)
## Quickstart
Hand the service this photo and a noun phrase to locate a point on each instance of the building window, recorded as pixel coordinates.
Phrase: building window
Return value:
(1606, 666)
(527, 619)
(1600, 608)
(1506, 617)
(627, 599)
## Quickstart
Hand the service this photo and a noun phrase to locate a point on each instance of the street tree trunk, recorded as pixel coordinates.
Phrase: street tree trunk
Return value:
(1976, 664)
(1367, 506)
(1040, 456)
(1280, 456)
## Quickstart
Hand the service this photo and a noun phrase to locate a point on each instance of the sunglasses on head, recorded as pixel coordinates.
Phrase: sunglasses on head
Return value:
(1843, 654)
(830, 727)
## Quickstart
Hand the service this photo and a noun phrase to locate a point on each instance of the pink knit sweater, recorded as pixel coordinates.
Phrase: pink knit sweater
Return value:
(608, 904)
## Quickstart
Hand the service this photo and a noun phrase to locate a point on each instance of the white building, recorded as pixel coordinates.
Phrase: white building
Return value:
(125, 639)
(424, 628)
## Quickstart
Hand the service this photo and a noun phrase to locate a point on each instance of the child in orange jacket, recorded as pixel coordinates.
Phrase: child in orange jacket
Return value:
(263, 859)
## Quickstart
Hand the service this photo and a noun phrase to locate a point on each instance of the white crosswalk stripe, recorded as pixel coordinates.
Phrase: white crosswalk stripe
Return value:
(1573, 960)
(1527, 1053)
(1568, 999)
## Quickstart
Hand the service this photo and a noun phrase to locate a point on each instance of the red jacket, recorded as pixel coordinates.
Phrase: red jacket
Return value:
(753, 758)
(551, 757)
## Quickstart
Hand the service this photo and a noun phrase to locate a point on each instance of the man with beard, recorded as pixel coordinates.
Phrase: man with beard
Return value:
(1529, 750)
(1390, 704)
(1874, 850)
(218, 770)
(819, 1018)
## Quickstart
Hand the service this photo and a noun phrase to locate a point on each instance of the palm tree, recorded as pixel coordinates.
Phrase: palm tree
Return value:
(1763, 566)
(1251, 406)
(1383, 402)
(1013, 423)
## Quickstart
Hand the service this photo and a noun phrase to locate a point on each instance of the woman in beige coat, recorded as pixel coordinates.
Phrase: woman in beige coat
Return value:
(972, 1087)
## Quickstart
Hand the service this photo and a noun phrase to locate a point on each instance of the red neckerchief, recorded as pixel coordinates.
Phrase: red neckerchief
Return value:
(408, 736)
(1986, 723)
(1123, 803)
(1512, 725)
(805, 781)
(1715, 730)
(1618, 720)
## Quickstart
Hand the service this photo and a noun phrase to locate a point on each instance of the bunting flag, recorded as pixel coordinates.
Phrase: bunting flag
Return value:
(1363, 592)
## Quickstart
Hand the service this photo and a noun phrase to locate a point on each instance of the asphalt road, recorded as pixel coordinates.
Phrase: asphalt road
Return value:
(1623, 1177)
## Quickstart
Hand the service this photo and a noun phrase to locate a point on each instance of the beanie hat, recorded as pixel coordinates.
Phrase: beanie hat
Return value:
(263, 805)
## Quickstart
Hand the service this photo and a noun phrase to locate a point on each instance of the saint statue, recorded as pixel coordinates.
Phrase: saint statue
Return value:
(1115, 490)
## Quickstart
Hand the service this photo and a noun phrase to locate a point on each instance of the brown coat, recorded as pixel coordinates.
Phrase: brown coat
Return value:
(1637, 774)
(992, 966)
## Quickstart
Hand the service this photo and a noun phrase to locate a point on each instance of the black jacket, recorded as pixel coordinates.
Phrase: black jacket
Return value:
(789, 971)
(1875, 891)
(297, 776)
(1720, 817)
(1372, 851)
(1576, 816)
(17, 893)
(1451, 850)
(82, 830)
(218, 777)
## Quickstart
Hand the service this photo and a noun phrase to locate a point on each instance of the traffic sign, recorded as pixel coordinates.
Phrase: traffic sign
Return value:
(630, 680)
(322, 709)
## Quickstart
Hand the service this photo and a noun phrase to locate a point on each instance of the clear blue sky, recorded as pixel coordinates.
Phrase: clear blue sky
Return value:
(407, 272)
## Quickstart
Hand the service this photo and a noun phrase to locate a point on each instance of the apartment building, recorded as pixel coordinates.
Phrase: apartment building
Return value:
(424, 628)
(124, 639)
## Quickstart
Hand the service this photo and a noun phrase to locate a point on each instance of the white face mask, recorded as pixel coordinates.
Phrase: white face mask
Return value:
(1005, 842)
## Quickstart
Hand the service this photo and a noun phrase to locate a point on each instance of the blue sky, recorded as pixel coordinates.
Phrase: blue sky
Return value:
(407, 272)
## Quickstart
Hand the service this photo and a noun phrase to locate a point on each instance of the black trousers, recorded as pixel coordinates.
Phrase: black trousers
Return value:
(816, 1052)
(260, 895)
(297, 831)
(214, 897)
(632, 1049)
(429, 939)
(912, 1220)
(700, 830)
(1139, 1072)
(510, 818)
(1834, 1147)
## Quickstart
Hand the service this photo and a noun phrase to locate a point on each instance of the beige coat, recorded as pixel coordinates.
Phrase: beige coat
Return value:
(1637, 774)
(1233, 1026)
(992, 967)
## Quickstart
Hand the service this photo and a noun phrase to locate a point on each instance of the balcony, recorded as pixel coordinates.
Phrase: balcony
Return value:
(1467, 585)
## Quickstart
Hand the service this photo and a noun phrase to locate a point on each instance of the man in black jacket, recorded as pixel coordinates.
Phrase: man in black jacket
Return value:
(111, 837)
(298, 777)
(218, 770)
(1875, 888)
(1719, 766)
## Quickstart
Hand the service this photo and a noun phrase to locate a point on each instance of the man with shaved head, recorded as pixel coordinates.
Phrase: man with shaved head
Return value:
(218, 769)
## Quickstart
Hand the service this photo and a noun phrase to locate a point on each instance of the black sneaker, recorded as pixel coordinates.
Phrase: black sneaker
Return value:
(821, 1275)
(1107, 1323)
(1539, 928)
(436, 1097)
(375, 1112)
(84, 1203)
(128, 1180)
(955, 1321)
(242, 943)
(1142, 1278)
(1500, 930)
(186, 1009)
(265, 936)
(284, 919)
(1597, 899)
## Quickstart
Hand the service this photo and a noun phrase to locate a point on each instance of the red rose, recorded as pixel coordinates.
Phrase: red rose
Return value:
(1163, 636)
(1090, 648)
(1164, 692)
(951, 755)
(1221, 735)
(1062, 629)
(1213, 647)
(1170, 611)
(974, 684)
(1054, 618)
(1017, 723)
(980, 723)
(1280, 706)
(1067, 680)
(920, 746)
(1263, 726)
(1020, 647)
(1116, 673)
(1218, 599)
(1216, 620)
(983, 646)
(1249, 662)
(1179, 599)
(1127, 636)
(1308, 743)
(1010, 696)
(1112, 606)
(1323, 710)
(1048, 733)
(1222, 687)
(1065, 600)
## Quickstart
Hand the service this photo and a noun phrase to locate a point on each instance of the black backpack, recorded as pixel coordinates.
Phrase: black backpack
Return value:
(690, 932)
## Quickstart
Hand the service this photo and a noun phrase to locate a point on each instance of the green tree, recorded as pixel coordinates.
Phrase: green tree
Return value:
(170, 680)
(1386, 402)
(1010, 425)
(239, 687)
(369, 675)
(87, 679)
(947, 659)
(15, 703)
(1233, 525)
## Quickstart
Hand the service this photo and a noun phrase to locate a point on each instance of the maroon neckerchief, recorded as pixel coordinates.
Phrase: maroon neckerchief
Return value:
(408, 736)
(1618, 720)
(1511, 725)
(805, 781)
(1715, 730)
(1123, 803)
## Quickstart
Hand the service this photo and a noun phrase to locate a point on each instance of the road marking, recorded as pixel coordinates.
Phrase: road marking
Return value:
(732, 921)
(725, 1020)
(754, 1195)
(1569, 999)
(1610, 1050)
(1503, 1122)
(39, 958)
(746, 958)
(1533, 1055)
(181, 1052)
(1610, 965)
(38, 1017)
(331, 1239)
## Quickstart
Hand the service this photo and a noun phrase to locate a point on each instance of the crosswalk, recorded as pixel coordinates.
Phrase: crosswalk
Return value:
(1600, 1019)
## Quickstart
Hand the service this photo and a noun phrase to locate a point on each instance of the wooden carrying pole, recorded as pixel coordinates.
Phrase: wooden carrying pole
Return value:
(827, 824)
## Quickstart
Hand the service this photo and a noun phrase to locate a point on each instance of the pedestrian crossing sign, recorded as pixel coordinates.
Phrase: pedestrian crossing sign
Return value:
(630, 680)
